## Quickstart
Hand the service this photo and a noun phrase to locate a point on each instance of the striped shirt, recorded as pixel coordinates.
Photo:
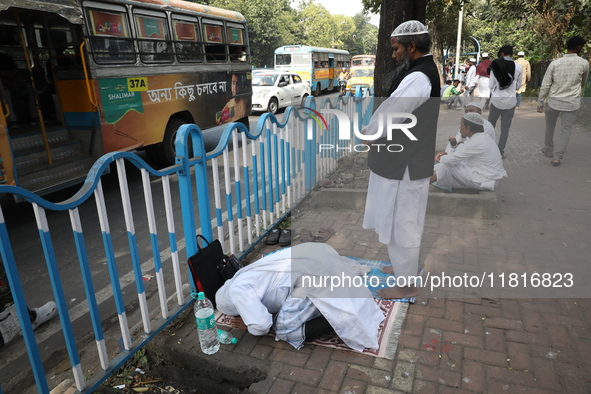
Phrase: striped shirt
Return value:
(564, 82)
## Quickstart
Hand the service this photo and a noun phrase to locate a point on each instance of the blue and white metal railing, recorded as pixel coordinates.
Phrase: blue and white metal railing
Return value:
(274, 168)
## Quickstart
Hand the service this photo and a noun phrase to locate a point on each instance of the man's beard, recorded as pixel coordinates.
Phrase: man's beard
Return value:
(400, 68)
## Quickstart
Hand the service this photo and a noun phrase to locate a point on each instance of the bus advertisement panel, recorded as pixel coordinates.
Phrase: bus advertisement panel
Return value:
(319, 67)
(131, 107)
(81, 79)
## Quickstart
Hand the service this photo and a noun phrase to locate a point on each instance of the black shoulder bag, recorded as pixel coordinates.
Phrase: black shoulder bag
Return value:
(211, 268)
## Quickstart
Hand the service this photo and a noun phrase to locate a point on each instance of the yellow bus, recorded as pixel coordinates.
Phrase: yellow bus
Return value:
(319, 67)
(84, 78)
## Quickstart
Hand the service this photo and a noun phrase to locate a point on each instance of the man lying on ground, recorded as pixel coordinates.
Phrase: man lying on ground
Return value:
(279, 292)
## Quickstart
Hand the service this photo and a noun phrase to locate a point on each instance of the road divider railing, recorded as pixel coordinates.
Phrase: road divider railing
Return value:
(236, 193)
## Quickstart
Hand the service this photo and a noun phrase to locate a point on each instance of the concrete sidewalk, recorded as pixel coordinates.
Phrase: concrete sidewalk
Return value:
(464, 343)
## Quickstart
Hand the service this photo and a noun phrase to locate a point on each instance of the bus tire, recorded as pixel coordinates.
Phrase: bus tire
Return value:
(317, 91)
(304, 97)
(273, 105)
(167, 152)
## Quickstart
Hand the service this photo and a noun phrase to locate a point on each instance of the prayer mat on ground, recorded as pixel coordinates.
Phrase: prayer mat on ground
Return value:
(389, 331)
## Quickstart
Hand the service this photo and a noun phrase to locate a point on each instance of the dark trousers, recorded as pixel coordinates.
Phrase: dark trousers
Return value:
(506, 119)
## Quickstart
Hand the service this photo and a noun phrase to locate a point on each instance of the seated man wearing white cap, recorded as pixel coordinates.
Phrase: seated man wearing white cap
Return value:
(525, 77)
(475, 164)
(455, 141)
(471, 81)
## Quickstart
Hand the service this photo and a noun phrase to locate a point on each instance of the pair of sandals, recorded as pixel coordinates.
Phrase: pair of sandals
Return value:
(322, 235)
(555, 162)
(278, 236)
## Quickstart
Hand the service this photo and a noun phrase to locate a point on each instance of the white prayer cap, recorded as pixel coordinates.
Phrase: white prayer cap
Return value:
(410, 28)
(473, 117)
(521, 53)
(484, 54)
(473, 60)
(474, 104)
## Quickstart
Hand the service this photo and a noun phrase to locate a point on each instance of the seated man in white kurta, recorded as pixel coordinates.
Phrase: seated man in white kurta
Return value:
(273, 292)
(475, 164)
(453, 142)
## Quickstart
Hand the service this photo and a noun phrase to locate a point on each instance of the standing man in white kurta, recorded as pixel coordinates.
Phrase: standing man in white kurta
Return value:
(399, 179)
(471, 82)
(483, 80)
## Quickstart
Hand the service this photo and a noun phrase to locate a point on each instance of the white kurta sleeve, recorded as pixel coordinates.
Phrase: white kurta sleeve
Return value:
(254, 314)
(463, 152)
(413, 91)
(492, 81)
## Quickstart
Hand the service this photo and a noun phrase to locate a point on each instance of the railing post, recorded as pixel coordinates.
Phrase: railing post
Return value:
(359, 112)
(186, 189)
(310, 150)
(18, 297)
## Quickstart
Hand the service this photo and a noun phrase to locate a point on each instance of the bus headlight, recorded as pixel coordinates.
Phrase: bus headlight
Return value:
(262, 93)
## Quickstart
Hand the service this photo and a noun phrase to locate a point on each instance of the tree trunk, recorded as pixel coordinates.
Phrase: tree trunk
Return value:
(437, 50)
(392, 13)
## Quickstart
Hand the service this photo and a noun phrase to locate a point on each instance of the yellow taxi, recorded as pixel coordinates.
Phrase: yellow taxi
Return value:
(360, 77)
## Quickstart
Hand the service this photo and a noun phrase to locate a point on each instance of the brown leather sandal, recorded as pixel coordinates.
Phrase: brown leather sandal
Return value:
(306, 236)
(323, 234)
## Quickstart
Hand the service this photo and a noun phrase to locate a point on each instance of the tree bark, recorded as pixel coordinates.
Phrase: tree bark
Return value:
(392, 14)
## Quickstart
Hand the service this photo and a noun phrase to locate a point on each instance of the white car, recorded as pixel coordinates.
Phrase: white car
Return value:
(275, 89)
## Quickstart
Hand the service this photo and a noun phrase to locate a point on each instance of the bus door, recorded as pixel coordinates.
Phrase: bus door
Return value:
(45, 82)
(6, 171)
(331, 73)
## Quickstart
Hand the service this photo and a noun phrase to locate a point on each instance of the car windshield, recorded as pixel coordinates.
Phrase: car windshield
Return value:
(362, 73)
(264, 80)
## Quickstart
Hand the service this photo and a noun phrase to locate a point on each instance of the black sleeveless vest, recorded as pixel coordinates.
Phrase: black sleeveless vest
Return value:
(418, 155)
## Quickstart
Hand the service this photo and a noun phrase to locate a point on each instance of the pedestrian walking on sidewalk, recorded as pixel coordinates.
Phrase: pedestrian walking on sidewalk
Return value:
(562, 86)
(526, 76)
(483, 80)
(471, 82)
(505, 79)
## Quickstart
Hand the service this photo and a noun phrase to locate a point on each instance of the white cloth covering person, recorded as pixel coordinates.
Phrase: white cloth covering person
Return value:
(277, 292)
(475, 164)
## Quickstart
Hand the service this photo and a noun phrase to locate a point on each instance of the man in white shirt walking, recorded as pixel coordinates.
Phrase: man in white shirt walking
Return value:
(471, 80)
(505, 79)
(475, 164)
(563, 85)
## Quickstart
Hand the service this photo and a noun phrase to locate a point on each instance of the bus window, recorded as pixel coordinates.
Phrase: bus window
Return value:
(153, 38)
(283, 60)
(214, 43)
(110, 41)
(186, 44)
(236, 43)
(301, 59)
